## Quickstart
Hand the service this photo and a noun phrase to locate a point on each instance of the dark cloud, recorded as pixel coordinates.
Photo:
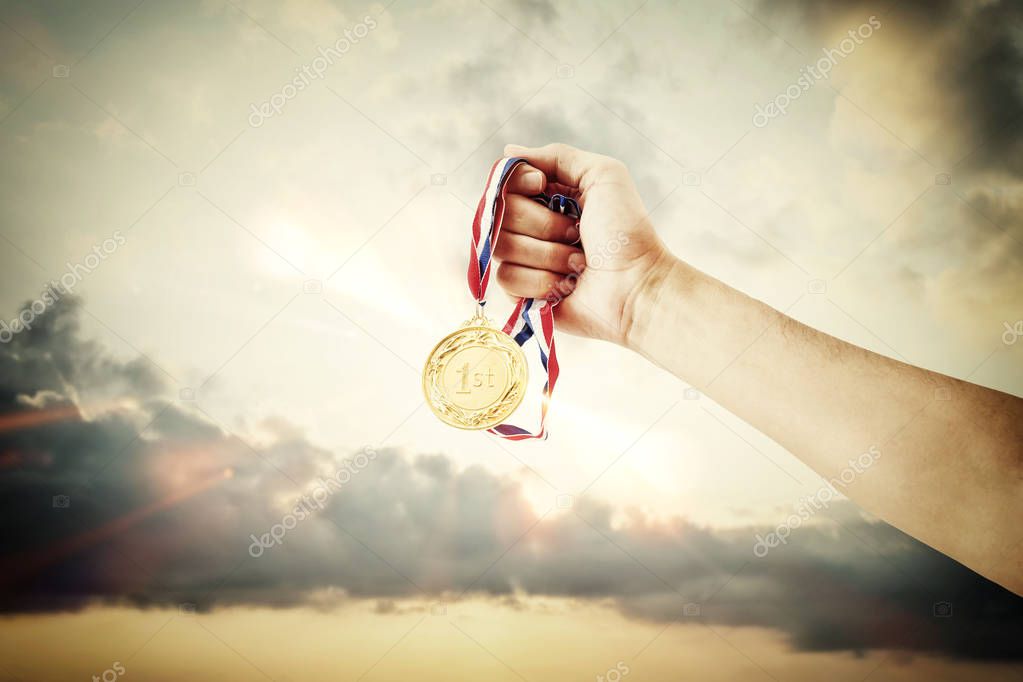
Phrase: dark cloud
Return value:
(989, 72)
(971, 52)
(167, 518)
(50, 356)
(538, 11)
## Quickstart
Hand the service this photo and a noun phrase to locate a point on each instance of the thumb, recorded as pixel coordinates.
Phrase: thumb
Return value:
(562, 163)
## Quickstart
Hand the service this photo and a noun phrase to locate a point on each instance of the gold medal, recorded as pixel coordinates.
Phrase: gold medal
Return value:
(475, 377)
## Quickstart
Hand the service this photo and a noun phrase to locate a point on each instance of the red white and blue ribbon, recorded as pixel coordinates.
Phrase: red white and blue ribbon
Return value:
(532, 318)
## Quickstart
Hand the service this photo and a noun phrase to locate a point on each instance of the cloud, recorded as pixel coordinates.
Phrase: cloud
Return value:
(167, 517)
(986, 287)
(946, 79)
(952, 74)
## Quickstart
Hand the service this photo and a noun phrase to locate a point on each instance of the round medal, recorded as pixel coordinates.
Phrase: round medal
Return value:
(475, 377)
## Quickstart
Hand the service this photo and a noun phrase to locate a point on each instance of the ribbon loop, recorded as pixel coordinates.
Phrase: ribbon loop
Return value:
(531, 319)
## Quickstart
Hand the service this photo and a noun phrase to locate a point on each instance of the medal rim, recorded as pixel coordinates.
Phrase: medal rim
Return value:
(517, 350)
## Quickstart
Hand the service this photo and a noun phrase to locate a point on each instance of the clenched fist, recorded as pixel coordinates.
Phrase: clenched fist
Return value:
(539, 248)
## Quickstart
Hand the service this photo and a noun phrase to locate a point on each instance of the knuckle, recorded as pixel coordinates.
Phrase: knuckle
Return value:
(548, 228)
(554, 258)
(563, 151)
(613, 165)
(504, 275)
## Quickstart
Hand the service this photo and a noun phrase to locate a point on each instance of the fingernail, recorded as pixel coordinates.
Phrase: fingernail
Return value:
(572, 235)
(577, 262)
(513, 149)
(534, 180)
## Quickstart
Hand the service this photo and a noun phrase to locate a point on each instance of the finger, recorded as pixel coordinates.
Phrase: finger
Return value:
(525, 216)
(558, 188)
(537, 253)
(565, 164)
(524, 282)
(526, 179)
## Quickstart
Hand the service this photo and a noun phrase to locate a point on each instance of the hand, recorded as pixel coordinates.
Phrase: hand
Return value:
(598, 285)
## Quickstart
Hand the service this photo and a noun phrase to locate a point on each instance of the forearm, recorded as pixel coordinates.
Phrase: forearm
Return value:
(950, 470)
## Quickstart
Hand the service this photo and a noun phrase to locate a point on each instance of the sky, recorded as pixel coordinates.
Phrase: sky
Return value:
(259, 270)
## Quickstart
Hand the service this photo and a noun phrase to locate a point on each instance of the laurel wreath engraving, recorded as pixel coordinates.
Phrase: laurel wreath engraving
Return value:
(493, 414)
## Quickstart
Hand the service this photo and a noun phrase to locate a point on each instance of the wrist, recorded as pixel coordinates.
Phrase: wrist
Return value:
(640, 308)
(691, 323)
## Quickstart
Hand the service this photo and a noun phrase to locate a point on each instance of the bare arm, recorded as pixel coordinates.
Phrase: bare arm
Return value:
(950, 469)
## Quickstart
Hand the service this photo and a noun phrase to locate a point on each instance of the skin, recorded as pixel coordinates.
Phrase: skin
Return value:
(950, 472)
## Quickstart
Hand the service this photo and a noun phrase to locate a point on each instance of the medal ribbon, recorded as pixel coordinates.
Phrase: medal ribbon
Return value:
(531, 319)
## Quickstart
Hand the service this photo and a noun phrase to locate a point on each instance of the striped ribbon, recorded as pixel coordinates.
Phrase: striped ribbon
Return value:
(531, 319)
